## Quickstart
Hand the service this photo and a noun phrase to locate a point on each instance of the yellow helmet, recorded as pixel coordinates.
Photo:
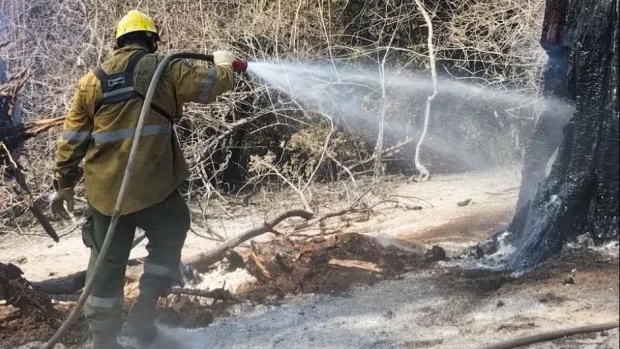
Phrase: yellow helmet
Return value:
(135, 21)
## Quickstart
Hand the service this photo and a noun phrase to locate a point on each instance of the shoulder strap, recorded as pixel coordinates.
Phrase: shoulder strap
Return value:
(133, 61)
(131, 66)
(119, 87)
(101, 75)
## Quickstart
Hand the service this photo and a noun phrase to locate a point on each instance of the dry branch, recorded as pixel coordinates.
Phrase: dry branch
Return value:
(351, 208)
(75, 282)
(379, 144)
(22, 190)
(424, 173)
(35, 128)
(20, 293)
(64, 285)
(251, 118)
(203, 260)
(218, 293)
(355, 264)
(386, 152)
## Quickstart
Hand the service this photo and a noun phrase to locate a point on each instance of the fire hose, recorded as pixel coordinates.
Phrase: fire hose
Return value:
(239, 65)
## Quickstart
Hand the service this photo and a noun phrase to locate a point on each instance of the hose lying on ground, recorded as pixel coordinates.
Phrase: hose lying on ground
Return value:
(551, 335)
(121, 194)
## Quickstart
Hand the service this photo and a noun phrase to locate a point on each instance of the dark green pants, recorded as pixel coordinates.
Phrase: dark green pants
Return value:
(166, 225)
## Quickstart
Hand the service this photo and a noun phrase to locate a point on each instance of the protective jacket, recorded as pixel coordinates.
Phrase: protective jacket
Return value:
(100, 126)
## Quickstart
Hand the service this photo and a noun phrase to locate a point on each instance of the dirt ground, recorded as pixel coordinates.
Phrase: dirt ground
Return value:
(396, 299)
(434, 308)
(440, 220)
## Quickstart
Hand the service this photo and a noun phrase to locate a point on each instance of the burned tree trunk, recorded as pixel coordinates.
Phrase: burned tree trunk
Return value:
(11, 128)
(557, 108)
(19, 292)
(580, 195)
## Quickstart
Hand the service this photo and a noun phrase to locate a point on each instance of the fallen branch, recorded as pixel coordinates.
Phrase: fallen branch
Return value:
(63, 285)
(351, 207)
(413, 199)
(203, 260)
(551, 335)
(19, 293)
(22, 190)
(218, 293)
(35, 128)
(299, 191)
(320, 220)
(70, 284)
(75, 282)
(355, 264)
(386, 152)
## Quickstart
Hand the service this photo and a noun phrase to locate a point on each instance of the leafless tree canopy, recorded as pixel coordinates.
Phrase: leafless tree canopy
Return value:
(260, 135)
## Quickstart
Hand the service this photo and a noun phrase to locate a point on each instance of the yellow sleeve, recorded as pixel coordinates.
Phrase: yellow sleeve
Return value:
(73, 143)
(198, 83)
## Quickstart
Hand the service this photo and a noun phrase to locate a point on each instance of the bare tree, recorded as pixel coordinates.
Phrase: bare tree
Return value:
(219, 139)
(379, 145)
(424, 174)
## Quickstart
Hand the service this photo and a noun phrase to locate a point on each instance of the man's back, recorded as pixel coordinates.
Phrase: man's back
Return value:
(104, 132)
(100, 128)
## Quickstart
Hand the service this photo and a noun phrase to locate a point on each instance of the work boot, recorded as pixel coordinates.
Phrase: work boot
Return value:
(105, 341)
(141, 320)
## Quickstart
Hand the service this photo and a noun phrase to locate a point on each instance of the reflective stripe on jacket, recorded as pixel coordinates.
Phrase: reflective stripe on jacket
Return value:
(104, 139)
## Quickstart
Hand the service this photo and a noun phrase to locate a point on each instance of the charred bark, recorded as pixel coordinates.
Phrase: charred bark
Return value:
(12, 130)
(558, 108)
(580, 195)
(63, 285)
(19, 292)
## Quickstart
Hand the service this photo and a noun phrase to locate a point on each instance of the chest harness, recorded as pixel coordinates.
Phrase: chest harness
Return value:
(118, 87)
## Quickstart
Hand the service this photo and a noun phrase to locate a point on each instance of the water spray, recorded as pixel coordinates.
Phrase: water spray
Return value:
(239, 65)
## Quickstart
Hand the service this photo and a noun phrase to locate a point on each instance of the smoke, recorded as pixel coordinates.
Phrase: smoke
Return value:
(475, 125)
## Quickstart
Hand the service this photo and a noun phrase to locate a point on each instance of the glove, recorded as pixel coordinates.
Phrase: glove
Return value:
(223, 58)
(240, 65)
(58, 200)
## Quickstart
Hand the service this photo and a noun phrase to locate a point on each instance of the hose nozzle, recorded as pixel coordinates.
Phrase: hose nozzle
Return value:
(240, 65)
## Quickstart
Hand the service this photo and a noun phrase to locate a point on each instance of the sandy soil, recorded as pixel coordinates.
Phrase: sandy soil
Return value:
(492, 194)
(445, 306)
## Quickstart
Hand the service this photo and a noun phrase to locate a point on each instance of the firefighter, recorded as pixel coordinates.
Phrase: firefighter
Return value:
(99, 128)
